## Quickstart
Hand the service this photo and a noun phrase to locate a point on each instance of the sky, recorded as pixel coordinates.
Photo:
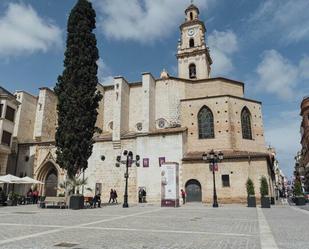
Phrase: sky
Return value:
(264, 44)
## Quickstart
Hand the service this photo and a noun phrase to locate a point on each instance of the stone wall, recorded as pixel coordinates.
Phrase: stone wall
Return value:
(148, 103)
(227, 124)
(46, 116)
(170, 147)
(100, 110)
(169, 92)
(151, 147)
(108, 100)
(25, 117)
(213, 87)
(3, 163)
(121, 108)
(257, 144)
(105, 172)
(238, 171)
(135, 107)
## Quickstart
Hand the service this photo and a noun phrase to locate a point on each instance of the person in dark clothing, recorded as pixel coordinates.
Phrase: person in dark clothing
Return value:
(29, 196)
(115, 196)
(140, 196)
(96, 200)
(111, 196)
(144, 195)
(2, 196)
(35, 196)
(183, 196)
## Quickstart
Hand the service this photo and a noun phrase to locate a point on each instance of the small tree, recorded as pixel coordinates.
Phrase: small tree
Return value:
(250, 187)
(298, 191)
(264, 187)
(74, 184)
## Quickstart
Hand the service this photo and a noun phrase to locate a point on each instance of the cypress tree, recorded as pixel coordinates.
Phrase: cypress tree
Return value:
(264, 186)
(298, 191)
(78, 98)
(250, 187)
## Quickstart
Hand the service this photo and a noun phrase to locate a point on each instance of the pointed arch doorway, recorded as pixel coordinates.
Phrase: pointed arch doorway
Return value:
(193, 191)
(51, 183)
(48, 174)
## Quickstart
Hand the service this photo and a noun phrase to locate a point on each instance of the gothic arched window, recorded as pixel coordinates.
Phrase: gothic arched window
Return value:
(246, 123)
(191, 43)
(191, 15)
(192, 71)
(205, 123)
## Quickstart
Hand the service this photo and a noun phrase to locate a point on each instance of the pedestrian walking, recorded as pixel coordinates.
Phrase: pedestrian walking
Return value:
(140, 196)
(144, 195)
(115, 196)
(111, 196)
(29, 196)
(96, 200)
(35, 196)
(183, 196)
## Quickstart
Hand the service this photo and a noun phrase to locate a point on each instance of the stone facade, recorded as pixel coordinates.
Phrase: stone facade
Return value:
(8, 109)
(157, 118)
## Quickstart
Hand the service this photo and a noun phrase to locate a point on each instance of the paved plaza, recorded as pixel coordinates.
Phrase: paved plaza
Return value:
(142, 227)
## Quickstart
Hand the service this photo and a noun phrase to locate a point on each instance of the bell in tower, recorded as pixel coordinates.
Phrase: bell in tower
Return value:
(193, 55)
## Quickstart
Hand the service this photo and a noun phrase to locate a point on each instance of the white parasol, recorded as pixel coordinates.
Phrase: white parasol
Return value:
(29, 180)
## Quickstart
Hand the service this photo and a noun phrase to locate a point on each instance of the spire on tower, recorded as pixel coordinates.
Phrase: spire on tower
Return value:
(192, 12)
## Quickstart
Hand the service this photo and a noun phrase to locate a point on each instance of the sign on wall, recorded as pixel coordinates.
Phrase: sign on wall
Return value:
(161, 160)
(170, 185)
(214, 167)
(145, 162)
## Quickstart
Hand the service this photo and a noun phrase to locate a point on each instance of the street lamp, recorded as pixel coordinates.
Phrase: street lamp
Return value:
(128, 162)
(213, 158)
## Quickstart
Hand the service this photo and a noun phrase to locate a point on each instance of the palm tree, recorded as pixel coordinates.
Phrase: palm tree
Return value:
(73, 185)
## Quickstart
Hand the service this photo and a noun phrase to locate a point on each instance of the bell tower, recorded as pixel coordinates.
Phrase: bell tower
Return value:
(192, 53)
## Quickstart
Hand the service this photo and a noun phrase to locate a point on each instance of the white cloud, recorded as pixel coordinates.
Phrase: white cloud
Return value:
(282, 133)
(24, 31)
(104, 73)
(277, 75)
(288, 18)
(142, 20)
(304, 67)
(223, 44)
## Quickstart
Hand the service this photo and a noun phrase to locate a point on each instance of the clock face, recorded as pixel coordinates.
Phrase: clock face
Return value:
(191, 32)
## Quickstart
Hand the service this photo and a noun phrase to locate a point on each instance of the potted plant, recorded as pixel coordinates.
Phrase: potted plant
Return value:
(298, 193)
(12, 199)
(251, 201)
(265, 201)
(72, 186)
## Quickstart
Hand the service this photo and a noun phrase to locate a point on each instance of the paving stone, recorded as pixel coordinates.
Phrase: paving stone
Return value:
(150, 227)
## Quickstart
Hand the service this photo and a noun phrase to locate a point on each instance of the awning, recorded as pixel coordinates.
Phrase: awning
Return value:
(29, 180)
(11, 179)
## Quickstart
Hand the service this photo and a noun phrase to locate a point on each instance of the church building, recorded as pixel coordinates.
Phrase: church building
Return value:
(169, 119)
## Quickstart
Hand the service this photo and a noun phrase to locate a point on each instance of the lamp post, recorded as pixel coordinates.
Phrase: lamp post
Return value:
(128, 162)
(213, 158)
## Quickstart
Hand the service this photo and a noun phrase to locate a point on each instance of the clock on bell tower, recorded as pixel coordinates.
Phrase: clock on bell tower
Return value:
(193, 55)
